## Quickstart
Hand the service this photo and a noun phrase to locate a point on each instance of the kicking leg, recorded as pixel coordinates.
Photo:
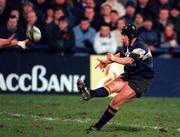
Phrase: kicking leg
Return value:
(114, 87)
(127, 94)
(87, 94)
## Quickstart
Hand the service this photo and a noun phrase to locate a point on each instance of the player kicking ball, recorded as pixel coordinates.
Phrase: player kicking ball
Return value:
(136, 79)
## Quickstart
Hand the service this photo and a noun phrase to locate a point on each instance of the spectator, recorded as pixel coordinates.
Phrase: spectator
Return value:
(49, 15)
(168, 38)
(50, 25)
(52, 20)
(33, 20)
(63, 38)
(114, 19)
(175, 19)
(27, 7)
(58, 13)
(145, 7)
(106, 14)
(116, 6)
(10, 28)
(68, 9)
(84, 36)
(159, 4)
(41, 7)
(15, 12)
(163, 19)
(138, 21)
(150, 35)
(117, 32)
(130, 12)
(105, 41)
(80, 6)
(94, 21)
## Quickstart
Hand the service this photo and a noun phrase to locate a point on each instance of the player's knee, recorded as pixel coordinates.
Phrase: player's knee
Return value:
(116, 103)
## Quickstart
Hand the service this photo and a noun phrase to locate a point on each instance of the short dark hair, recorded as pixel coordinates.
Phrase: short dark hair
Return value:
(122, 18)
(163, 8)
(12, 17)
(56, 8)
(148, 18)
(130, 3)
(114, 11)
(84, 19)
(105, 25)
(88, 8)
(63, 18)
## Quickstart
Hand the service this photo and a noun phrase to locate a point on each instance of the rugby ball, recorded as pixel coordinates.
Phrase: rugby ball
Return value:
(33, 33)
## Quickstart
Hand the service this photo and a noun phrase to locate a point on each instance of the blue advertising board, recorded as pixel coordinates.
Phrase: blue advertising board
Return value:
(38, 72)
(41, 73)
(167, 78)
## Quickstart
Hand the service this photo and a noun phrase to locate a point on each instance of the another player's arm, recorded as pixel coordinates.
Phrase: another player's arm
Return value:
(6, 42)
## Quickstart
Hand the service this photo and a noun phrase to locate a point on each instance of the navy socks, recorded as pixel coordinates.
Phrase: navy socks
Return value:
(100, 92)
(107, 116)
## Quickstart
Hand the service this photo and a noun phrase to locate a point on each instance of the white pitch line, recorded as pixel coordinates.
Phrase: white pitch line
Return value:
(84, 121)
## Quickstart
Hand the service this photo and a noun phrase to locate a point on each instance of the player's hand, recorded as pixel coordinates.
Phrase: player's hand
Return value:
(13, 43)
(102, 63)
(110, 57)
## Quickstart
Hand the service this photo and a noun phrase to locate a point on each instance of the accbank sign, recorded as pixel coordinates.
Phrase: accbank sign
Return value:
(37, 81)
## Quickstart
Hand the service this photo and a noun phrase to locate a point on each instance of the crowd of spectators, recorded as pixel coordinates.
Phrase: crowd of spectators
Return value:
(93, 26)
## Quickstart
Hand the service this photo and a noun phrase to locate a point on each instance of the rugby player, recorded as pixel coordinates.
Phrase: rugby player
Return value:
(136, 79)
(12, 42)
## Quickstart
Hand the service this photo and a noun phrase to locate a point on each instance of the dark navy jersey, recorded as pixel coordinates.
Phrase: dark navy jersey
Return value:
(143, 61)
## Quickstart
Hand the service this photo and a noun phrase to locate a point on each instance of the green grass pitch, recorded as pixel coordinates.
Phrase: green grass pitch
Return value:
(69, 116)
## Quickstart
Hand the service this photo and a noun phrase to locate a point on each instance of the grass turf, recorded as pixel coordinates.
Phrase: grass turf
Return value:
(69, 116)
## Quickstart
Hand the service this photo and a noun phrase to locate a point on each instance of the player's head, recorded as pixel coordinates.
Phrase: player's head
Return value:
(130, 32)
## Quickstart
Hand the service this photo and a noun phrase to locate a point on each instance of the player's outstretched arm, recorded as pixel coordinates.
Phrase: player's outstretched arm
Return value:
(4, 42)
(120, 60)
(104, 62)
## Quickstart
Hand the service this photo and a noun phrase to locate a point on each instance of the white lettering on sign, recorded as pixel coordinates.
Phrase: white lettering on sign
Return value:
(38, 82)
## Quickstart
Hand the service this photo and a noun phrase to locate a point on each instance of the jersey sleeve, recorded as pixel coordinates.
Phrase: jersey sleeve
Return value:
(138, 52)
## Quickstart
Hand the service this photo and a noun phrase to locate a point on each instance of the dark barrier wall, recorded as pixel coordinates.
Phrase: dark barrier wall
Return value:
(47, 73)
(167, 78)
(41, 73)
